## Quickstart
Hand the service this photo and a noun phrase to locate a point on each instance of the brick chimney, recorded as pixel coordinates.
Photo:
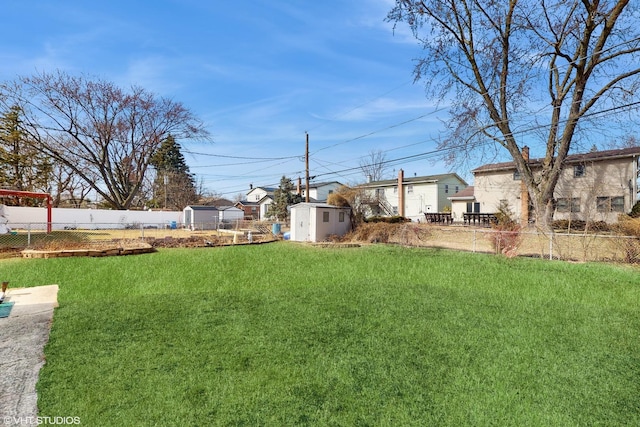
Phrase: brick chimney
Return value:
(524, 193)
(401, 193)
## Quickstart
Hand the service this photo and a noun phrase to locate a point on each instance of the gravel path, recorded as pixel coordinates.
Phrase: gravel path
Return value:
(23, 336)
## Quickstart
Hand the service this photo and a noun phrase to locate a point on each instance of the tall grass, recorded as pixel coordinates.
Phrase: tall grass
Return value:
(285, 334)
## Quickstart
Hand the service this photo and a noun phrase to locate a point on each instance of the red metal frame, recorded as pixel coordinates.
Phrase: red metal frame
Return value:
(36, 196)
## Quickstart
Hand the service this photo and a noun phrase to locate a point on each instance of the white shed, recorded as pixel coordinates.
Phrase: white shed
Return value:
(230, 214)
(201, 217)
(315, 222)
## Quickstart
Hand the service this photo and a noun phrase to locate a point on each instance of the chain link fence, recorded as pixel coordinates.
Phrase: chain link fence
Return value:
(34, 235)
(553, 246)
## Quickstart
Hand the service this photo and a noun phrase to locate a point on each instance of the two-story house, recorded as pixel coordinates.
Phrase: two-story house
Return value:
(256, 203)
(410, 197)
(594, 186)
(318, 192)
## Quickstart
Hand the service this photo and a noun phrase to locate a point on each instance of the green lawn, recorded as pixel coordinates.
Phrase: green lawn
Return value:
(284, 334)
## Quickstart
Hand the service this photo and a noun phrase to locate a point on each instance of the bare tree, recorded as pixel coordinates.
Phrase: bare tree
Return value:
(501, 63)
(374, 165)
(103, 134)
(68, 187)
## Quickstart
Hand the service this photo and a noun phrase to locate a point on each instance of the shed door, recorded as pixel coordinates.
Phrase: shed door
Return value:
(302, 225)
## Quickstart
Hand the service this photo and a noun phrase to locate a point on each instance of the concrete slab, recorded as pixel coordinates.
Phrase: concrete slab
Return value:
(23, 336)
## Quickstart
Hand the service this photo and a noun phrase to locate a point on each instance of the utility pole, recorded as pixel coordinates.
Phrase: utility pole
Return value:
(306, 193)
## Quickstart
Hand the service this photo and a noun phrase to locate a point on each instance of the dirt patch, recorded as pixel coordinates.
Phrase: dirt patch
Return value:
(188, 242)
(116, 247)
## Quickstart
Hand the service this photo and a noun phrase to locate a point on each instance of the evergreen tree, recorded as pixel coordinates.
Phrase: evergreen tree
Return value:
(174, 186)
(22, 166)
(283, 197)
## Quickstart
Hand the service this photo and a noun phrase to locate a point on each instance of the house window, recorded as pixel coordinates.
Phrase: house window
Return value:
(610, 204)
(617, 204)
(325, 216)
(473, 207)
(395, 190)
(253, 209)
(341, 217)
(579, 171)
(457, 188)
(516, 175)
(410, 189)
(566, 204)
(446, 188)
(379, 192)
(395, 210)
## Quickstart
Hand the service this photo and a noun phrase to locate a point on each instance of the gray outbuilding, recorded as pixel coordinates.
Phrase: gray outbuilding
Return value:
(315, 222)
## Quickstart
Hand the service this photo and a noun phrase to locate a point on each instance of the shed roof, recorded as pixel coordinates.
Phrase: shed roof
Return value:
(318, 205)
(202, 208)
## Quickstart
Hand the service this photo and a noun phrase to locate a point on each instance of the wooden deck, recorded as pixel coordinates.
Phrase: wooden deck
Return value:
(481, 219)
(439, 218)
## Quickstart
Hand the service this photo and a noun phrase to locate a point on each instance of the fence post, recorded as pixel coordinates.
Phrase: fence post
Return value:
(474, 240)
(29, 234)
(142, 230)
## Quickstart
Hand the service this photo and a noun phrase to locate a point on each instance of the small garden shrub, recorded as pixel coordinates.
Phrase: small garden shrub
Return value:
(381, 232)
(507, 234)
(629, 228)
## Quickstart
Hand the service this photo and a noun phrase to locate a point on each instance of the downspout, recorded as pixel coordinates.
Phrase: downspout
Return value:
(524, 193)
(401, 193)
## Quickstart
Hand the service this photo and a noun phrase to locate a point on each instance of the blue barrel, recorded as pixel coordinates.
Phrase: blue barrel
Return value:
(275, 229)
(174, 225)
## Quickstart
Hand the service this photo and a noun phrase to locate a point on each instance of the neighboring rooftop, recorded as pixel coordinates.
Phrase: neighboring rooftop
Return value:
(464, 194)
(592, 156)
(413, 180)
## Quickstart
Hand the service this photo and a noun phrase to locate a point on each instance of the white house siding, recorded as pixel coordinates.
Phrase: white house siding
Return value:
(256, 194)
(321, 192)
(458, 209)
(420, 199)
(490, 189)
(265, 204)
(609, 177)
(429, 194)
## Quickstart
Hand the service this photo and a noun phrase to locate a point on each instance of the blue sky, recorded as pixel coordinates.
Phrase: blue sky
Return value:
(258, 73)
